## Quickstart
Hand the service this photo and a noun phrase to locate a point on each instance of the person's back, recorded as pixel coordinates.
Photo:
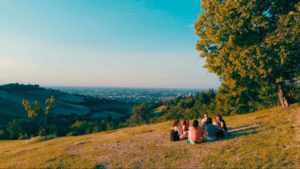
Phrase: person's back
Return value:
(211, 131)
(195, 133)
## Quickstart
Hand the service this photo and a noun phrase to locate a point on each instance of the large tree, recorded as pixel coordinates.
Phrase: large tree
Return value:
(253, 46)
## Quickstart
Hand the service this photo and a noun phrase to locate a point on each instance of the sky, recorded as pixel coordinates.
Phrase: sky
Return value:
(118, 43)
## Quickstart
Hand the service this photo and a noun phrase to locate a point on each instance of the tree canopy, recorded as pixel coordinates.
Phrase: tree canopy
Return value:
(141, 114)
(253, 46)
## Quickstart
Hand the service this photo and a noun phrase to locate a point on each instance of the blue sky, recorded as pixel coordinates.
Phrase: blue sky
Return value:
(132, 43)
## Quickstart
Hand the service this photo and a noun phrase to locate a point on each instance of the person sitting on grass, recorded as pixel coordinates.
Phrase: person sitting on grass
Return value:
(204, 120)
(175, 131)
(221, 125)
(195, 135)
(185, 129)
(210, 131)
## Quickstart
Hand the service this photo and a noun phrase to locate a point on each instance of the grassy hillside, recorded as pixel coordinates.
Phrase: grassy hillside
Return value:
(265, 139)
(12, 95)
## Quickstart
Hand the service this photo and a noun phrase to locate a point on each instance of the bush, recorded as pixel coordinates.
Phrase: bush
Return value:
(85, 127)
(2, 134)
(21, 129)
(141, 114)
(79, 127)
(41, 138)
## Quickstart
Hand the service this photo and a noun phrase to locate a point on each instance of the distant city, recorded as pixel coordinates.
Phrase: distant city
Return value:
(135, 95)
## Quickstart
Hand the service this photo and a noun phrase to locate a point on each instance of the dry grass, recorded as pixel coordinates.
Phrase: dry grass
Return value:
(265, 139)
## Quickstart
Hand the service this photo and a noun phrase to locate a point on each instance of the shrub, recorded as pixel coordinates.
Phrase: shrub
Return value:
(21, 129)
(2, 134)
(141, 114)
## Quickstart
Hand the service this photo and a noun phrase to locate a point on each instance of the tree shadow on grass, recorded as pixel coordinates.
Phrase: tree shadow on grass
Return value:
(100, 166)
(240, 131)
(243, 132)
(244, 126)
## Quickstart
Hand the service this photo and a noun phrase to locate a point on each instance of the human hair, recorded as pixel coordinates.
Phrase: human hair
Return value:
(176, 122)
(195, 123)
(221, 118)
(186, 124)
(209, 120)
(205, 114)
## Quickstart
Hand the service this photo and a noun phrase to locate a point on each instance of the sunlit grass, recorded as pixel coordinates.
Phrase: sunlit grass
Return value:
(264, 139)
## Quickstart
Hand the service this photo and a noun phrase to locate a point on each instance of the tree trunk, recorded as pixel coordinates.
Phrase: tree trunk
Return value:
(282, 96)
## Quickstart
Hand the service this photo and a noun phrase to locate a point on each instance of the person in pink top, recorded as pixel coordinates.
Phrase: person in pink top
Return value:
(195, 133)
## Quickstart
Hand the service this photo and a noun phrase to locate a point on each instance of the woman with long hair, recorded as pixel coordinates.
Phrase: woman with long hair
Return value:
(221, 125)
(175, 131)
(185, 129)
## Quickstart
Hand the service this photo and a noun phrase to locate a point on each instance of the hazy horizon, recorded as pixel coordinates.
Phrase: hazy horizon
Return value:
(117, 87)
(134, 43)
(133, 87)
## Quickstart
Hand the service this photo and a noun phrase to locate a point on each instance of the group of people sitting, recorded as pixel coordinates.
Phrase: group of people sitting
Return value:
(196, 133)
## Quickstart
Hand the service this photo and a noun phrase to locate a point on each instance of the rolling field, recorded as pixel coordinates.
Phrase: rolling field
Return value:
(264, 139)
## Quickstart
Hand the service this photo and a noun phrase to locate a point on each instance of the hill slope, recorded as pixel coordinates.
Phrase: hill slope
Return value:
(11, 96)
(265, 139)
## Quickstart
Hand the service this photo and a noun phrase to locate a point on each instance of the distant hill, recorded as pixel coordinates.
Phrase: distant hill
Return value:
(11, 96)
(264, 139)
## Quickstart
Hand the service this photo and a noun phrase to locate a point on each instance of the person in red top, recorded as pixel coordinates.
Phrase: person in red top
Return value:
(195, 133)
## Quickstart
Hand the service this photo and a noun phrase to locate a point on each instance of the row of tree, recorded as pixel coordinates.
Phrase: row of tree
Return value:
(189, 107)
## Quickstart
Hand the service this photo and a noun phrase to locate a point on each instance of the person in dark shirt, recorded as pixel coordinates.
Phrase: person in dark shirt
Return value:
(175, 131)
(210, 131)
